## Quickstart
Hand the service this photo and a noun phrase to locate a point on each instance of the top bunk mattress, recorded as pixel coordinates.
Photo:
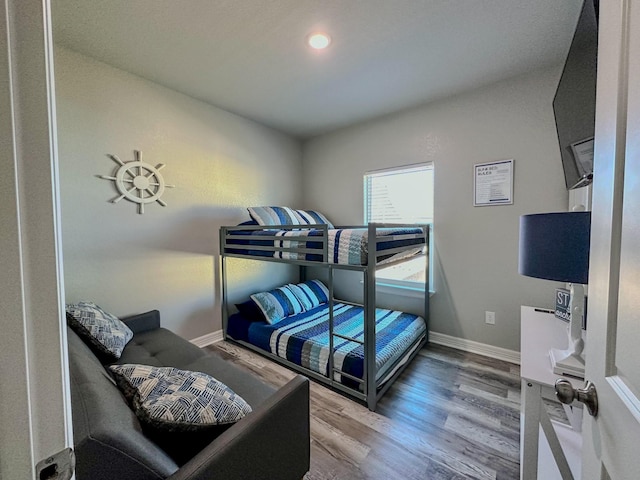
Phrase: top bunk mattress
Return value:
(346, 246)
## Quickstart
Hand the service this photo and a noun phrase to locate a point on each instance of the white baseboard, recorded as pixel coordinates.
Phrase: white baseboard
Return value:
(208, 339)
(434, 337)
(475, 347)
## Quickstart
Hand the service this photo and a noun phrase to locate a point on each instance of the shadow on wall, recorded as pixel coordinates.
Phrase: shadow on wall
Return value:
(208, 318)
(195, 230)
(444, 316)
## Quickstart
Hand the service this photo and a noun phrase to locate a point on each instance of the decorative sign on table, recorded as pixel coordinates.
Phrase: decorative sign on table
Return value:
(493, 183)
(563, 309)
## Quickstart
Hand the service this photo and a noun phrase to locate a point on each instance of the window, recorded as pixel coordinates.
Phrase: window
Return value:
(402, 195)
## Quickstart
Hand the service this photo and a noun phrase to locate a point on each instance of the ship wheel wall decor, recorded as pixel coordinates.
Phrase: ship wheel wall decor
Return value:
(138, 181)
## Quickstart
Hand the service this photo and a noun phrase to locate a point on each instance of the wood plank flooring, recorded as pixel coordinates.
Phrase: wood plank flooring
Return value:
(450, 415)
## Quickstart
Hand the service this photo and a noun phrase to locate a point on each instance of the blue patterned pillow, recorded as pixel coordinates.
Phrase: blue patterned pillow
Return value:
(268, 216)
(312, 217)
(311, 293)
(101, 330)
(303, 298)
(181, 411)
(277, 304)
(178, 400)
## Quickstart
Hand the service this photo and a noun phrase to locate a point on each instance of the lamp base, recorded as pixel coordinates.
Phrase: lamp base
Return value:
(564, 362)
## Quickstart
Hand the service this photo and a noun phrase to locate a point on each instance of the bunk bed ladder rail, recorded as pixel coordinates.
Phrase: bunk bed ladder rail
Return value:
(370, 383)
(332, 369)
(370, 319)
(426, 228)
(331, 333)
(223, 280)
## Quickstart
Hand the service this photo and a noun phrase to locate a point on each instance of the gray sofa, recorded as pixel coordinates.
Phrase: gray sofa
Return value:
(271, 442)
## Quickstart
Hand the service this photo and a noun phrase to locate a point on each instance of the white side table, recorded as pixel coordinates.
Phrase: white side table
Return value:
(556, 454)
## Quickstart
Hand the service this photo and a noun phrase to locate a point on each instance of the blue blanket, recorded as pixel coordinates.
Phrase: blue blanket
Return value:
(304, 338)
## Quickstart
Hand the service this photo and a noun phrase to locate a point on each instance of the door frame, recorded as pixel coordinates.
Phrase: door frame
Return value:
(606, 237)
(35, 404)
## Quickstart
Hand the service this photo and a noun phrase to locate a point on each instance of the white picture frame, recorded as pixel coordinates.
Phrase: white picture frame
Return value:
(493, 183)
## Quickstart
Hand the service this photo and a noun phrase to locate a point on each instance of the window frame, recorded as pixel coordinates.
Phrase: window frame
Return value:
(410, 288)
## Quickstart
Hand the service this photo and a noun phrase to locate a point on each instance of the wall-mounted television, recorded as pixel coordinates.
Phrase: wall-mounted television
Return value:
(574, 104)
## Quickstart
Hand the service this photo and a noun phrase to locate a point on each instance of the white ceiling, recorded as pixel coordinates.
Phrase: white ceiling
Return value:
(249, 56)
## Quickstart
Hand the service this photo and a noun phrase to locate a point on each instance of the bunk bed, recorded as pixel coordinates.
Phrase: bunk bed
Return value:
(371, 346)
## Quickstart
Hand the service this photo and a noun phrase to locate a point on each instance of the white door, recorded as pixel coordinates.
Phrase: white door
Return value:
(611, 442)
(35, 419)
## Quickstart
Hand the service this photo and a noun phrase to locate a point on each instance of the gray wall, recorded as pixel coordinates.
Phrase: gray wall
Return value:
(166, 258)
(221, 163)
(476, 265)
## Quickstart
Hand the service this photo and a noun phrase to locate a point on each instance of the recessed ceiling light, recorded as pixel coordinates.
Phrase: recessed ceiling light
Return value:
(319, 41)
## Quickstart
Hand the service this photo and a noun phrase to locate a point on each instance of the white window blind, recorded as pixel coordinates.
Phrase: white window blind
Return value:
(402, 195)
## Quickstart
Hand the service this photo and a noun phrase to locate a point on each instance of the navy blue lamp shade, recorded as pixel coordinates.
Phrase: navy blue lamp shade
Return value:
(555, 246)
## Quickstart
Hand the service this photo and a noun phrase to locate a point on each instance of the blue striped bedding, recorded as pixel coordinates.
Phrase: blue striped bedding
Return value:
(304, 338)
(345, 246)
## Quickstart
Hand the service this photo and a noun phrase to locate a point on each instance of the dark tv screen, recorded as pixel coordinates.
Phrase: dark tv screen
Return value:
(574, 104)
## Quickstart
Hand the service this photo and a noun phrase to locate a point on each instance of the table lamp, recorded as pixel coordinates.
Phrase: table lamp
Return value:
(555, 246)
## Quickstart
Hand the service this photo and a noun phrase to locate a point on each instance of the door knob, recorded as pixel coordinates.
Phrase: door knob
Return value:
(587, 395)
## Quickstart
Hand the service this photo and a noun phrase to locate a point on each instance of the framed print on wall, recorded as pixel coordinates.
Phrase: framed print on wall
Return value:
(493, 183)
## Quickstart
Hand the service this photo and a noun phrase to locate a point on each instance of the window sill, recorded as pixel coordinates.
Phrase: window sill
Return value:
(402, 290)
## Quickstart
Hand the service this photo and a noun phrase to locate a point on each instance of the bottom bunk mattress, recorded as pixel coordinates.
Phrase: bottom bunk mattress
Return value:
(303, 339)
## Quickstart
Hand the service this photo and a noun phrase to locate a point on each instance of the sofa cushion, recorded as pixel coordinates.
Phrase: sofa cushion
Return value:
(163, 348)
(104, 332)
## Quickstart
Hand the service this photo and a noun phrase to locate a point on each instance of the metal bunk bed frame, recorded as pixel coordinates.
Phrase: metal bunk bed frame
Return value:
(370, 393)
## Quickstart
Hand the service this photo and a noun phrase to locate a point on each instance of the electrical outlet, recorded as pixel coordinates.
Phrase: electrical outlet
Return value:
(490, 318)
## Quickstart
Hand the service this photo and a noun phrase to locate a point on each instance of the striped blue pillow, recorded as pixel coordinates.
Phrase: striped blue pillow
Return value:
(277, 304)
(312, 217)
(304, 298)
(311, 293)
(268, 216)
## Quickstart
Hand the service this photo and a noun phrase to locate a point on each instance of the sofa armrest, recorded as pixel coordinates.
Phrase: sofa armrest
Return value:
(271, 442)
(143, 322)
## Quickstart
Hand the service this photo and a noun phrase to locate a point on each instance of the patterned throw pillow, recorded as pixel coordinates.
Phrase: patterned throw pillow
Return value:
(312, 217)
(311, 293)
(181, 411)
(104, 332)
(178, 400)
(268, 216)
(277, 304)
